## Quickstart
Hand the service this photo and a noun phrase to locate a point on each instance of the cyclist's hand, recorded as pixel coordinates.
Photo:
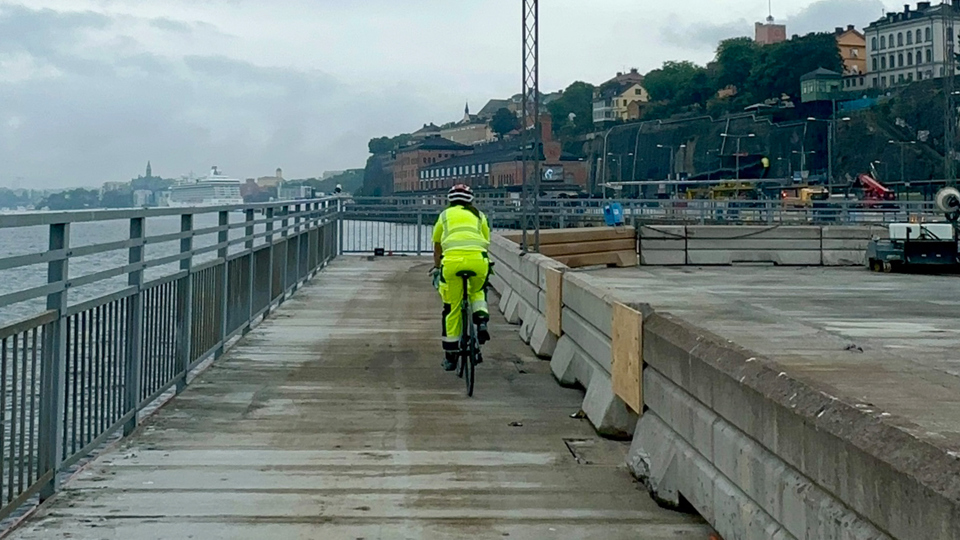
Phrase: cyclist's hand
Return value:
(435, 274)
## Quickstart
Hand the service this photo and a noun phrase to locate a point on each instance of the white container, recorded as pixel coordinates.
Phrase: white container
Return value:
(922, 231)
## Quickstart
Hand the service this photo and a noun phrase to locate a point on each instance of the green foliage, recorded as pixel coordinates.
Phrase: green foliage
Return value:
(377, 177)
(118, 198)
(151, 184)
(577, 99)
(504, 122)
(350, 181)
(385, 145)
(10, 199)
(734, 62)
(682, 83)
(778, 67)
(74, 199)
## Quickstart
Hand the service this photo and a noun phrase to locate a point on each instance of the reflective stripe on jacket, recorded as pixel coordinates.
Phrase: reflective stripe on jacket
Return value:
(463, 231)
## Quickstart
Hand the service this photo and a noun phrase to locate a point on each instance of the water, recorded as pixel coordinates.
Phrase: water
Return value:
(28, 240)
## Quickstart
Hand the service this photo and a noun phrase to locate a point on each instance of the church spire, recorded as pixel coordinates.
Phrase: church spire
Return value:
(149, 170)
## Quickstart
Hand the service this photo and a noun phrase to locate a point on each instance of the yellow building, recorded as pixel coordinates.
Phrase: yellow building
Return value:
(612, 101)
(271, 181)
(853, 50)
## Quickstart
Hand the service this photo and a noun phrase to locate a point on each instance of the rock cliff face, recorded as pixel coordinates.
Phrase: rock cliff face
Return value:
(913, 114)
(378, 176)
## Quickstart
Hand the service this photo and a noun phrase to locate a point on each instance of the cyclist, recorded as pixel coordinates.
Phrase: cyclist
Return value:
(461, 238)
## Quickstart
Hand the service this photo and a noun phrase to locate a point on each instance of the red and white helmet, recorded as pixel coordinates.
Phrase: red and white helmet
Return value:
(460, 193)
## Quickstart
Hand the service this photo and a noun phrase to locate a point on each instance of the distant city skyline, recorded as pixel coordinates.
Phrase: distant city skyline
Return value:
(90, 90)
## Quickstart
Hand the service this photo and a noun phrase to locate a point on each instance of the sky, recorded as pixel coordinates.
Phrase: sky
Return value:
(90, 90)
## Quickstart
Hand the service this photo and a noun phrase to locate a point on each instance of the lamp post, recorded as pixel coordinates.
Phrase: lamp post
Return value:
(738, 138)
(803, 158)
(903, 169)
(831, 127)
(673, 161)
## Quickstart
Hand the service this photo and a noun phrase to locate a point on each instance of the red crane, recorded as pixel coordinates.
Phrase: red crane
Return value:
(873, 190)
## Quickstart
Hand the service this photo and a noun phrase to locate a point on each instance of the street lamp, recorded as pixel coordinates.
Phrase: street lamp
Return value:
(673, 162)
(673, 150)
(803, 158)
(902, 145)
(832, 126)
(738, 138)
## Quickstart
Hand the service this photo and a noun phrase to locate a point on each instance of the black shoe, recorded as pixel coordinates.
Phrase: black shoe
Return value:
(483, 335)
(450, 362)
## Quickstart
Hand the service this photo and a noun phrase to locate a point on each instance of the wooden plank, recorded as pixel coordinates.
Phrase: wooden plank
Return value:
(554, 301)
(568, 236)
(627, 351)
(622, 259)
(577, 248)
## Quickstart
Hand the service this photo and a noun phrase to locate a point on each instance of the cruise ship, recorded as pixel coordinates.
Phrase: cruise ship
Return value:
(214, 190)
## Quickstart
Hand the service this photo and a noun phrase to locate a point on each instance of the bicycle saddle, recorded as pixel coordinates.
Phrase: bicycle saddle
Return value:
(466, 274)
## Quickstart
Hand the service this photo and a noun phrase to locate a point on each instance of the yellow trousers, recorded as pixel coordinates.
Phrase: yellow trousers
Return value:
(451, 291)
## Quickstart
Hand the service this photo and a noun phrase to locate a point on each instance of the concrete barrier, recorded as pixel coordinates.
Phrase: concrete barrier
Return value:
(760, 454)
(566, 318)
(705, 245)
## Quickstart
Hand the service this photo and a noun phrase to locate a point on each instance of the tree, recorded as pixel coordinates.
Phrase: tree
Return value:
(577, 99)
(734, 62)
(681, 83)
(778, 67)
(503, 122)
(380, 145)
(118, 198)
(75, 199)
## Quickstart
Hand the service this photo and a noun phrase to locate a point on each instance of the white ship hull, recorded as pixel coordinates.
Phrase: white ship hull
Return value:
(214, 190)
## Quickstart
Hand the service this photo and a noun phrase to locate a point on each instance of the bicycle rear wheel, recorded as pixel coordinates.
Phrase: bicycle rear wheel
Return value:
(470, 366)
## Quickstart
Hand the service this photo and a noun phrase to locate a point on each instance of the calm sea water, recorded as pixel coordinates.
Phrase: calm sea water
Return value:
(358, 237)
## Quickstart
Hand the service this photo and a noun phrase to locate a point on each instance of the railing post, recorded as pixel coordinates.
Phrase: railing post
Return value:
(272, 254)
(297, 231)
(53, 358)
(419, 230)
(186, 315)
(222, 238)
(249, 232)
(340, 210)
(284, 271)
(134, 328)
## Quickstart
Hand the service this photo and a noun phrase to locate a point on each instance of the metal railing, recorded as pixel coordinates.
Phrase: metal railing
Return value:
(81, 366)
(404, 225)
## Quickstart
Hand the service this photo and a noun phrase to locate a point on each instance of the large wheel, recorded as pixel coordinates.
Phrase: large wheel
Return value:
(887, 267)
(471, 366)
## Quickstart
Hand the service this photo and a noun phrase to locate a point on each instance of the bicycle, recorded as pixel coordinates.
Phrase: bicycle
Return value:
(469, 354)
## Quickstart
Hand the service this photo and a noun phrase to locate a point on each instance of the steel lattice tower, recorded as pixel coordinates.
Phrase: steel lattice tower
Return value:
(950, 112)
(532, 137)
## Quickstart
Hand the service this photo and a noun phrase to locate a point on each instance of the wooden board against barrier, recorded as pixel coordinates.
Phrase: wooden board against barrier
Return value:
(554, 301)
(627, 361)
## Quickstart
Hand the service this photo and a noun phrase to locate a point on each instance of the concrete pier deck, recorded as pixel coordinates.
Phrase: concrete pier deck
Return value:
(333, 420)
(886, 343)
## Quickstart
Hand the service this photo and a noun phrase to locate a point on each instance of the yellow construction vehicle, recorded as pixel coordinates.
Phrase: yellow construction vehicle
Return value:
(803, 196)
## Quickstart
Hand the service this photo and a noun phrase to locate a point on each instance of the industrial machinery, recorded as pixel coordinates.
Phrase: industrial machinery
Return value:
(803, 196)
(920, 244)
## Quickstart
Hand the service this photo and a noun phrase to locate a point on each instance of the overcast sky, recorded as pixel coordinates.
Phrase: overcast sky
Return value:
(92, 89)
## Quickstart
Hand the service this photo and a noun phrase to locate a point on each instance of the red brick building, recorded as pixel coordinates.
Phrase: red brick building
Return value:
(500, 166)
(412, 159)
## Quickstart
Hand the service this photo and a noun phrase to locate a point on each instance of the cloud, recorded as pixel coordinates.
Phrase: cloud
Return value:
(105, 104)
(703, 36)
(820, 16)
(825, 15)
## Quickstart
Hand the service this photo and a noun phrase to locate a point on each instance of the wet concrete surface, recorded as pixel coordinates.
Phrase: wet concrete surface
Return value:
(333, 420)
(888, 344)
